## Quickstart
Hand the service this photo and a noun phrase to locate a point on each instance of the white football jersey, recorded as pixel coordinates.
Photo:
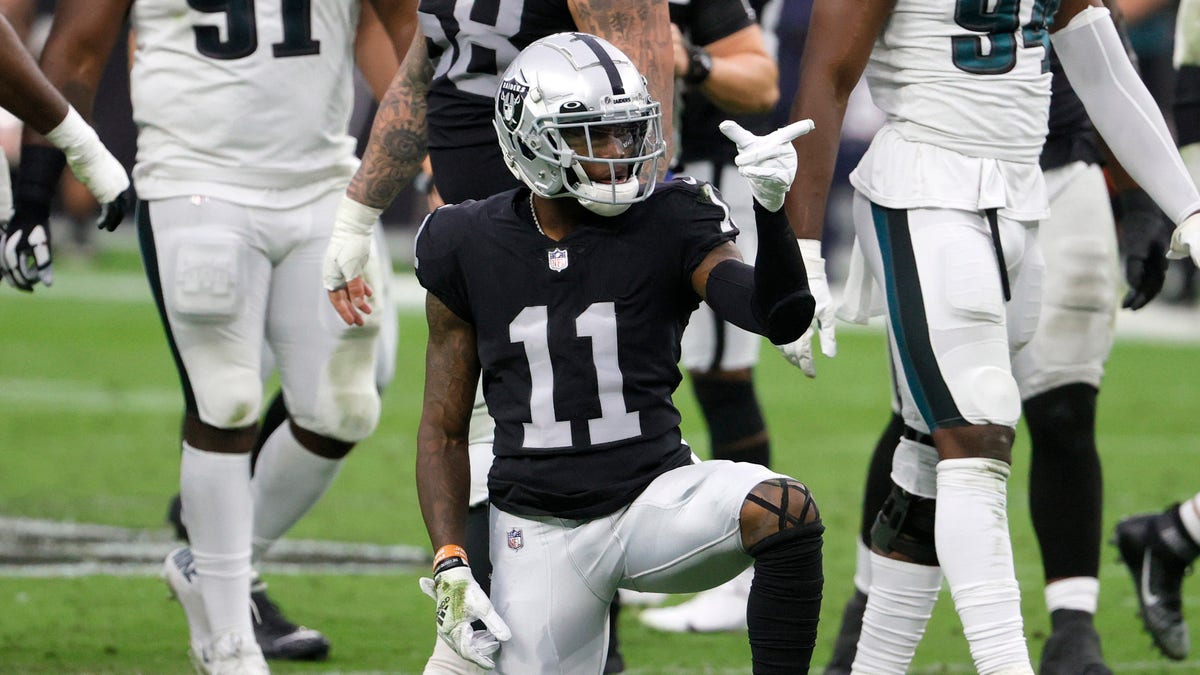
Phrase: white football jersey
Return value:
(238, 98)
(971, 76)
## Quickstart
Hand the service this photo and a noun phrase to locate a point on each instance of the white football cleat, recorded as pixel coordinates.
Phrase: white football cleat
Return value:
(179, 573)
(716, 610)
(233, 654)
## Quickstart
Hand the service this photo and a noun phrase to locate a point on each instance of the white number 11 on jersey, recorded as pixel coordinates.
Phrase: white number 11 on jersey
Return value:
(598, 322)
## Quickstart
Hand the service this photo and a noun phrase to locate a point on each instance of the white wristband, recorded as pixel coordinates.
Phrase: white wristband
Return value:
(810, 250)
(73, 135)
(355, 217)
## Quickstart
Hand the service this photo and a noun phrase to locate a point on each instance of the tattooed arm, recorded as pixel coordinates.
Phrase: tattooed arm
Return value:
(641, 29)
(443, 465)
(398, 136)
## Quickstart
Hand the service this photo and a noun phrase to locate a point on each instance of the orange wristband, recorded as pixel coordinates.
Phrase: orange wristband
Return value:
(449, 551)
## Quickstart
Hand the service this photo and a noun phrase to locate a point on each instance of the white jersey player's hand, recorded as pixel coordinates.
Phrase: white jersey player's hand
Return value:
(90, 161)
(346, 257)
(460, 602)
(799, 353)
(1186, 239)
(767, 162)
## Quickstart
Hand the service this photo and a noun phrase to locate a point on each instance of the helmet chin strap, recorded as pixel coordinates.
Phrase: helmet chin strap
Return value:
(602, 209)
(599, 197)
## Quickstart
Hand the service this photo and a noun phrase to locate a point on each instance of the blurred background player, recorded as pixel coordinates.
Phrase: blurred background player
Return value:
(25, 253)
(961, 270)
(233, 225)
(1059, 374)
(722, 67)
(441, 106)
(1159, 548)
(278, 636)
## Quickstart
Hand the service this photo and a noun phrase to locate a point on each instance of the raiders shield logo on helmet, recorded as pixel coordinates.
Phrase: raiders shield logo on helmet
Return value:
(511, 102)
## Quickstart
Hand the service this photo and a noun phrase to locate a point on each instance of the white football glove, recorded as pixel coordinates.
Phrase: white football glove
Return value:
(799, 353)
(89, 160)
(767, 162)
(1186, 239)
(350, 244)
(460, 601)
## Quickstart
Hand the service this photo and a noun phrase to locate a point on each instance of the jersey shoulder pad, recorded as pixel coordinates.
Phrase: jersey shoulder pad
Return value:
(444, 230)
(697, 199)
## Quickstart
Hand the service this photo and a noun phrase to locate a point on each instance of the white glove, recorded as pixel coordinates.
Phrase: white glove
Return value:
(1186, 239)
(799, 353)
(460, 601)
(350, 244)
(89, 160)
(767, 162)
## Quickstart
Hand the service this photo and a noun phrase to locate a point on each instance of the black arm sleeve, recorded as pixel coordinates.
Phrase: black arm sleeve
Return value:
(37, 181)
(772, 298)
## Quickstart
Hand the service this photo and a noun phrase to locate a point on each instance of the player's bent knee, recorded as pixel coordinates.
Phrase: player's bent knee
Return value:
(349, 415)
(775, 506)
(987, 394)
(226, 400)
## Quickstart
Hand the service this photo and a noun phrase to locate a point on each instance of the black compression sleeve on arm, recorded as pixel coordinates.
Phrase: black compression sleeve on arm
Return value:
(771, 298)
(37, 180)
(782, 296)
(730, 292)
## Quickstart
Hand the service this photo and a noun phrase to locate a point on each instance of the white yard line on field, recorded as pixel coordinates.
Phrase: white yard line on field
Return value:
(43, 548)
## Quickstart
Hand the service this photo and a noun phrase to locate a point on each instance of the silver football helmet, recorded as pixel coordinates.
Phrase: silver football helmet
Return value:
(570, 99)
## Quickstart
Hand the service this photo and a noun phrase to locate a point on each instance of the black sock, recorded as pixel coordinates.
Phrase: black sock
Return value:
(785, 599)
(1065, 486)
(736, 429)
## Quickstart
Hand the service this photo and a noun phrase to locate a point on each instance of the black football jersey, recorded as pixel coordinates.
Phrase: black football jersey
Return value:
(470, 43)
(578, 339)
(1071, 136)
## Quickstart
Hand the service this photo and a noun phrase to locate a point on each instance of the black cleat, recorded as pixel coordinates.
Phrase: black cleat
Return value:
(1073, 647)
(278, 637)
(845, 645)
(1158, 581)
(175, 517)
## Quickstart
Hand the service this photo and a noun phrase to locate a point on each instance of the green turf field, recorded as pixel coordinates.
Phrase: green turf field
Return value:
(89, 425)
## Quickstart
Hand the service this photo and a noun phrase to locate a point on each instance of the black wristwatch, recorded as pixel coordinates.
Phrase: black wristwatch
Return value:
(699, 65)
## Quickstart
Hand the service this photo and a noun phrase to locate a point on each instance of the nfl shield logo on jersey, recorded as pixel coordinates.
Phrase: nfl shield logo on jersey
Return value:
(557, 259)
(516, 540)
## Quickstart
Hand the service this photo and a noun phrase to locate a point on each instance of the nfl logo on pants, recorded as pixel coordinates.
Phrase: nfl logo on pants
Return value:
(515, 539)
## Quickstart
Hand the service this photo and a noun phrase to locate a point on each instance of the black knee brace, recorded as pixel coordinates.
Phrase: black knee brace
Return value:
(734, 419)
(905, 526)
(879, 475)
